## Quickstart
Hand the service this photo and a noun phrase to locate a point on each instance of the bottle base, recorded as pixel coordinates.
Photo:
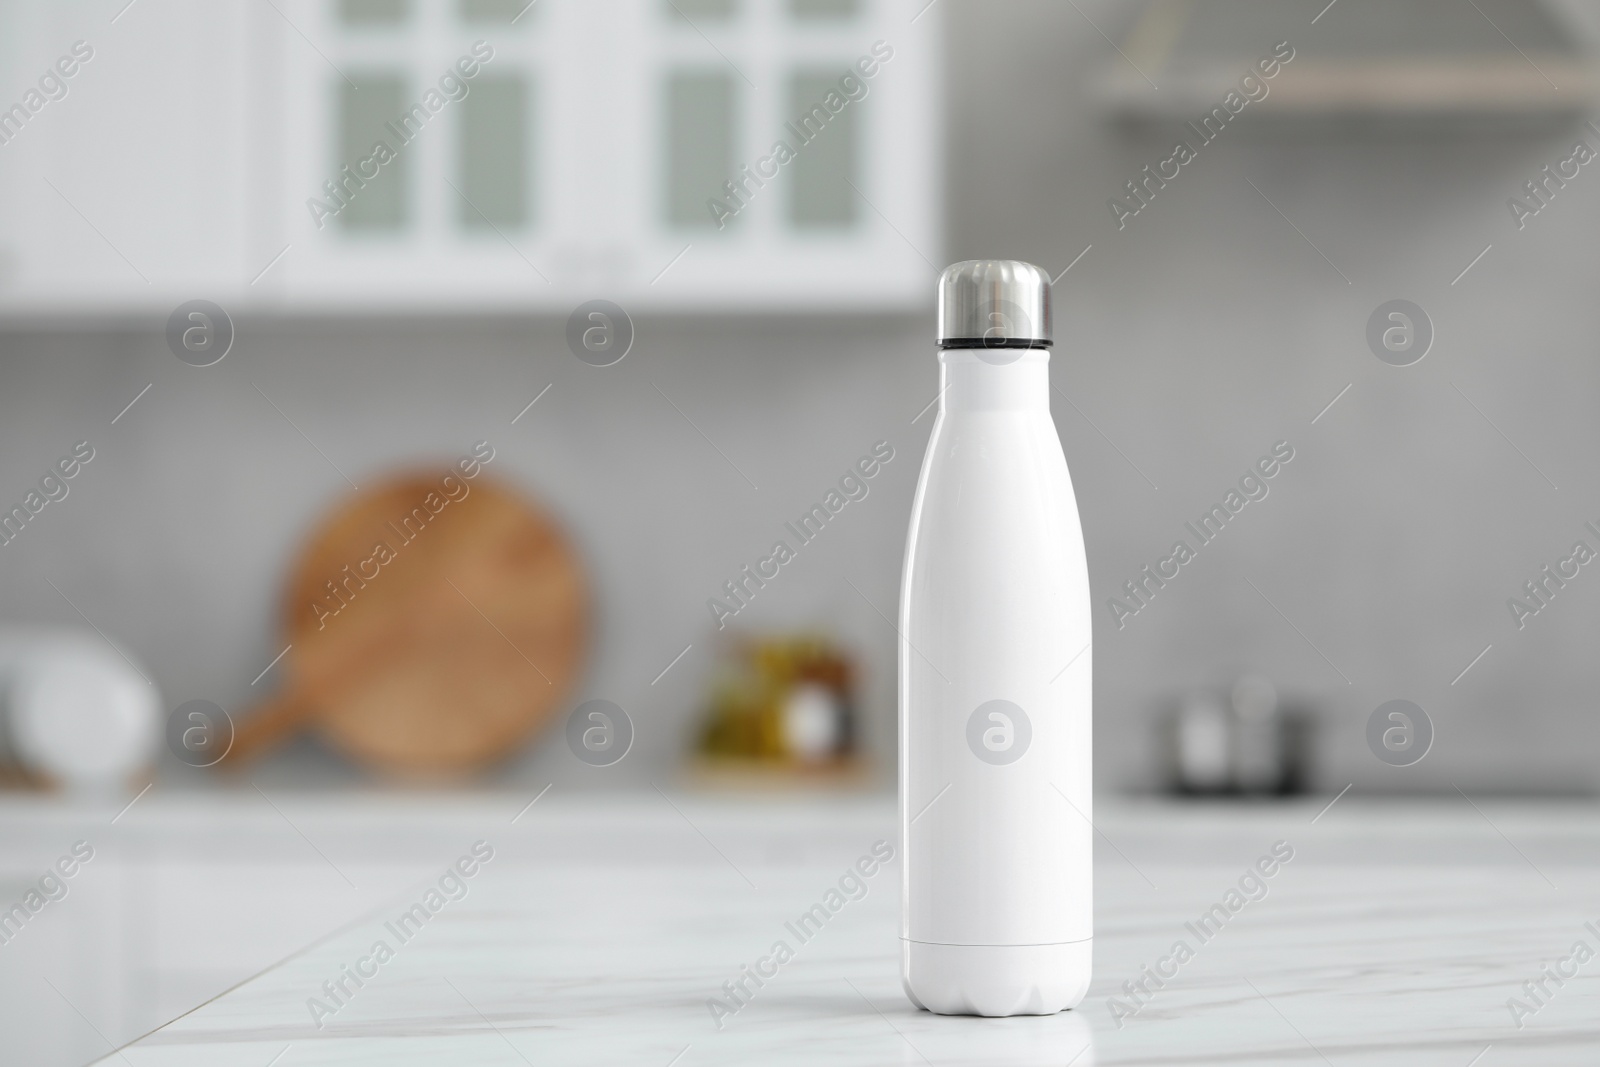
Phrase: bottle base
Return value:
(995, 980)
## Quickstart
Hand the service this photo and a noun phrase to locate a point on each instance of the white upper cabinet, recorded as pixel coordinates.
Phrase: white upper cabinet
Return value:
(371, 155)
(131, 178)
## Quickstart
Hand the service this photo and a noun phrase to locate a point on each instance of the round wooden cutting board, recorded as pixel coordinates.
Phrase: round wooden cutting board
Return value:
(434, 623)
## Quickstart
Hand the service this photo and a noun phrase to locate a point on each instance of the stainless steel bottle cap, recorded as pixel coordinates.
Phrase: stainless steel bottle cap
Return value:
(994, 303)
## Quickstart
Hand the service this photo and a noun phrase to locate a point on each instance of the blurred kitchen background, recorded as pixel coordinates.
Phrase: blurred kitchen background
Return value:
(447, 304)
(768, 357)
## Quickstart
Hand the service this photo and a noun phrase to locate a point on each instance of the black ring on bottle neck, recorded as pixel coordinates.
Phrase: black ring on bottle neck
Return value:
(994, 342)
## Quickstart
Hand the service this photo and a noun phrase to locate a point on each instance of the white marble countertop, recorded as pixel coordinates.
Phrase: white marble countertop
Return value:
(602, 927)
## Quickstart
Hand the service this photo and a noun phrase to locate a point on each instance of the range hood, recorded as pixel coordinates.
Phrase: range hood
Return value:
(1355, 59)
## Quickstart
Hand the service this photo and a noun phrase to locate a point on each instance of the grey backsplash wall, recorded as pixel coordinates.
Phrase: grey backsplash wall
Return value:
(1187, 345)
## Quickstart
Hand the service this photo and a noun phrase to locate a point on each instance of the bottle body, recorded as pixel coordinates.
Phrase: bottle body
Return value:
(995, 702)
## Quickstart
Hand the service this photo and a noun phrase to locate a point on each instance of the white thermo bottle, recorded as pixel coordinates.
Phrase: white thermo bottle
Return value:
(996, 899)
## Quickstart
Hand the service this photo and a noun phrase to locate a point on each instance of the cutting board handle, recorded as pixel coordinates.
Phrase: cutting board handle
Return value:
(270, 724)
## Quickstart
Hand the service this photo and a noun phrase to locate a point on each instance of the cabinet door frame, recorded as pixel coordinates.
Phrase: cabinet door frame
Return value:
(598, 67)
